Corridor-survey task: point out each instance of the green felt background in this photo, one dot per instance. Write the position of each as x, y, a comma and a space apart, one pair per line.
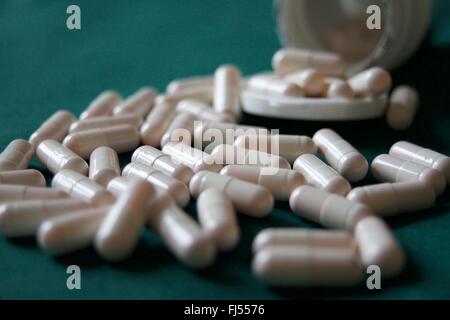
124, 45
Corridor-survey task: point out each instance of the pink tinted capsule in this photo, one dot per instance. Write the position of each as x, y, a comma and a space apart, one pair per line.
139, 103
121, 139
227, 90
199, 93
27, 177
336, 88
55, 128
104, 165
270, 84
105, 122
180, 85
193, 158
311, 81
156, 123
180, 129
16, 156
102, 105
402, 108
203, 111
371, 82
12, 192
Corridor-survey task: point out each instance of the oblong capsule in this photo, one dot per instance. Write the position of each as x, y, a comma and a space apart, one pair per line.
121, 138
70, 232
378, 246
402, 108
178, 190
329, 210
289, 266
81, 187
203, 111
26, 177
23, 218
56, 157
11, 192
156, 123
320, 175
105, 122
373, 81
289, 60
386, 168
227, 154
55, 128
200, 93
341, 155
281, 183
270, 84
16, 156
182, 235
139, 103
120, 230
180, 129
389, 199
289, 147
251, 199
155, 158
426, 157
102, 105
193, 158
297, 237
227, 90
104, 165
180, 85
311, 81
336, 88
218, 218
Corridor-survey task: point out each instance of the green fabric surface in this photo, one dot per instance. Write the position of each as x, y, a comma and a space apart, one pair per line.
124, 45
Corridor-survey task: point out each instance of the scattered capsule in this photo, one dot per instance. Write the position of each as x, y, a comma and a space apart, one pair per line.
341, 155
203, 111
81, 187
102, 105
387, 168
140, 103
180, 129
10, 192
193, 158
26, 177
181, 85
311, 81
251, 199
336, 88
270, 84
280, 184
373, 81
156, 123
218, 218
55, 128
56, 157
402, 108
330, 210
320, 175
121, 138
104, 165
378, 246
227, 90
200, 93
16, 156
389, 199
105, 122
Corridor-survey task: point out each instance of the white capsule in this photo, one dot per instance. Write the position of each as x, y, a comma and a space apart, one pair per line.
426, 157
70, 232
199, 93
22, 218
55, 128
180, 129
180, 85
389, 199
155, 158
387, 168
203, 111
10, 192
378, 246
156, 123
251, 199
139, 103
193, 158
270, 84
27, 177
227, 90
56, 157
336, 88
341, 155
289, 266
183, 236
104, 165
81, 187
329, 210
321, 176
105, 122
291, 60
16, 156
311, 81
373, 81
178, 190
119, 232
218, 218
123, 138
102, 105
289, 147
403, 105
280, 183
296, 237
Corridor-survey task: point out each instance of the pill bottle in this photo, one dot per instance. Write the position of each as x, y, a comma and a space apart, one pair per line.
340, 26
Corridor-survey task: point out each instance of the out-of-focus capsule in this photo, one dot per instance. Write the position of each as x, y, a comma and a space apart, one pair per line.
193, 158
403, 105
102, 105
336, 88
156, 123
10, 192
373, 81
105, 122
121, 138
200, 93
329, 210
270, 84
180, 85
341, 155
321, 176
16, 156
227, 90
56, 157
139, 103
104, 165
55, 128
27, 177
203, 111
311, 81
180, 129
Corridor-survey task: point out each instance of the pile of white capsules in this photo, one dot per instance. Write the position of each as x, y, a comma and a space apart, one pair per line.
242, 168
